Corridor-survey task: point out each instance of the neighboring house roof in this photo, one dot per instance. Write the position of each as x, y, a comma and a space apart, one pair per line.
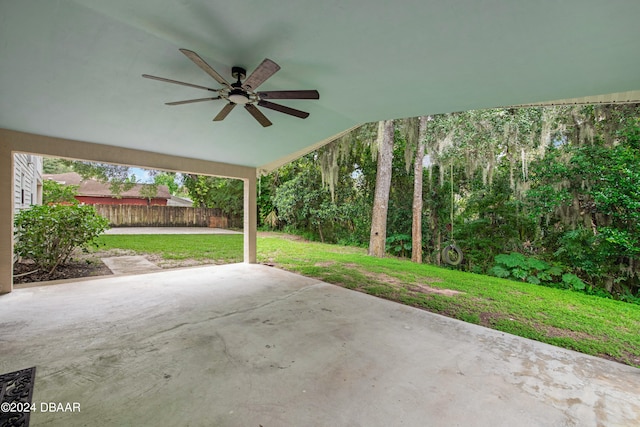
94, 188
179, 201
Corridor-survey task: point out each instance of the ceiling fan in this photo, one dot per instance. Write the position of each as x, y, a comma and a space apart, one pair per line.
244, 92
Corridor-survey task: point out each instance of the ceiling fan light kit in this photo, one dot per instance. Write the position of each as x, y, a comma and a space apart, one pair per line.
243, 93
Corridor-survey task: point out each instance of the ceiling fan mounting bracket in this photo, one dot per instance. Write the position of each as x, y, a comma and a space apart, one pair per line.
238, 73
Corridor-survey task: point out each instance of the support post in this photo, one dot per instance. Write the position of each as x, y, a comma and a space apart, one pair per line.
250, 219
6, 219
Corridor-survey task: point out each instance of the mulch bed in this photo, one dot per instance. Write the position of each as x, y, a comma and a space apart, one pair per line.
72, 270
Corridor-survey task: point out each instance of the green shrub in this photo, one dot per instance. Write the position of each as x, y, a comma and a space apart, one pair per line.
54, 192
399, 245
48, 235
532, 270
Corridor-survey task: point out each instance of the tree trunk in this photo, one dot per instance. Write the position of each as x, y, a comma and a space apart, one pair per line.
438, 243
378, 236
416, 223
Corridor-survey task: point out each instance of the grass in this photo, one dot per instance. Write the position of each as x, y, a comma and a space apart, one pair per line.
572, 320
219, 248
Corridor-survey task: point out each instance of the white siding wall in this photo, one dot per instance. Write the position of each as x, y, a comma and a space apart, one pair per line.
27, 181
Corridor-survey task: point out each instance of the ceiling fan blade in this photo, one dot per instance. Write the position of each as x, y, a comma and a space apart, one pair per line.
162, 79
205, 67
283, 109
189, 101
290, 94
224, 112
257, 114
265, 70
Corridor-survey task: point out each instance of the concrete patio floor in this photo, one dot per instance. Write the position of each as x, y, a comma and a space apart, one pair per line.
250, 345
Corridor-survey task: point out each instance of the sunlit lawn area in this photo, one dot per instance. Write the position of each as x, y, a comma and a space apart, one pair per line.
567, 319
219, 248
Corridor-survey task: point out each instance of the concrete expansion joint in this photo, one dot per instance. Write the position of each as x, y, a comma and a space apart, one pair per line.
233, 313
272, 301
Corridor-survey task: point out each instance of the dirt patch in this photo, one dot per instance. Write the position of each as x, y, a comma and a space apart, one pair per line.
282, 236
90, 265
26, 272
324, 264
630, 359
81, 264
381, 277
488, 319
418, 287
429, 290
553, 332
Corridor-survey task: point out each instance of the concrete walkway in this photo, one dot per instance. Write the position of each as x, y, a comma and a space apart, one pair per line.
130, 264
249, 345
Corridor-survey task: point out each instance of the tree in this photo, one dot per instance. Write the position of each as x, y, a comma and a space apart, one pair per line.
53, 192
418, 173
378, 236
54, 165
118, 176
215, 192
586, 191
169, 179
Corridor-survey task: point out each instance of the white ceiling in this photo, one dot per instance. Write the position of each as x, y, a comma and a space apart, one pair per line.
72, 69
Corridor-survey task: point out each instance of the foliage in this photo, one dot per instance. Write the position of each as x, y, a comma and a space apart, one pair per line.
214, 192
557, 183
588, 193
170, 180
54, 192
492, 222
516, 266
526, 269
305, 205
399, 245
148, 191
53, 165
117, 176
48, 234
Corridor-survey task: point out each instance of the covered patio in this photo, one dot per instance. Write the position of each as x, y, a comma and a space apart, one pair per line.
251, 345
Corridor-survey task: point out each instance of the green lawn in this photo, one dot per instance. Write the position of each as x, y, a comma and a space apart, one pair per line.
567, 319
219, 248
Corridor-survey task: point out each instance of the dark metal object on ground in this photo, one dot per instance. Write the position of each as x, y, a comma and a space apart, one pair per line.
16, 391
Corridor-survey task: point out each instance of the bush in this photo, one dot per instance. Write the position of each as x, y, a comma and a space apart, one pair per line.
54, 192
48, 235
516, 266
399, 245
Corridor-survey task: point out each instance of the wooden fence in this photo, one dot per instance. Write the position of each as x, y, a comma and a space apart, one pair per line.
163, 216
